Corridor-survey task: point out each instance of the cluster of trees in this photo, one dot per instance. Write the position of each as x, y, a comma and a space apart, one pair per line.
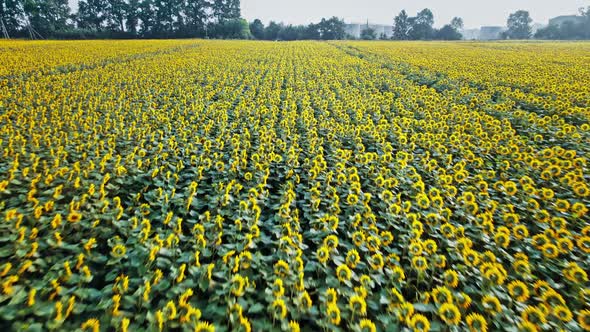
419, 27
519, 27
568, 29
326, 29
222, 19
124, 18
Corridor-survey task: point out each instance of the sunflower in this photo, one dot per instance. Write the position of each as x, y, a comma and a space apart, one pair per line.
358, 238
367, 325
343, 273
419, 263
525, 326
331, 296
118, 251
415, 248
419, 323
281, 269
323, 254
502, 239
430, 246
204, 327
576, 274
451, 278
373, 243
442, 295
331, 241
333, 313
278, 309
464, 300
551, 297
449, 313
550, 250
584, 319
396, 298
277, 288
520, 232
238, 284
440, 261
518, 290
491, 304
405, 311
533, 315
376, 262
476, 323
74, 216
357, 305
294, 326
510, 188
563, 313
565, 245
352, 258
562, 205
584, 244
306, 302
397, 274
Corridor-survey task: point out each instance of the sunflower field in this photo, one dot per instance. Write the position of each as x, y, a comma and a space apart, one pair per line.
202, 185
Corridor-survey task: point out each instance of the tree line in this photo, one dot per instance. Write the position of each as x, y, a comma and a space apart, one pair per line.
222, 19
124, 19
519, 27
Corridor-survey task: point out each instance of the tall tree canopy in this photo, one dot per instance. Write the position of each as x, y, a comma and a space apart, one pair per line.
401, 26
421, 25
519, 25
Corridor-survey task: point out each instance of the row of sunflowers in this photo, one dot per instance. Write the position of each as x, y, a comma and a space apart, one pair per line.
206, 185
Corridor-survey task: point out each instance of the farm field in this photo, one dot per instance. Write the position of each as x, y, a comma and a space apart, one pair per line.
202, 185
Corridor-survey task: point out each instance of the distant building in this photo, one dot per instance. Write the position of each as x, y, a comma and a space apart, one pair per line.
559, 20
491, 32
355, 29
538, 26
470, 34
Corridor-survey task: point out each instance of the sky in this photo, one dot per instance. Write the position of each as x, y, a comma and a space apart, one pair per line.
475, 13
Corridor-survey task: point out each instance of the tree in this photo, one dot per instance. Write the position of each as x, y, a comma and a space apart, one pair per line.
231, 29
519, 25
225, 10
288, 32
132, 16
11, 13
368, 34
115, 13
447, 32
312, 32
457, 23
331, 29
272, 31
401, 26
450, 31
195, 12
421, 25
257, 29
47, 16
146, 18
91, 15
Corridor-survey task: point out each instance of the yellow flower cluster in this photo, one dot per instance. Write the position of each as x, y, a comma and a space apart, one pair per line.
255, 186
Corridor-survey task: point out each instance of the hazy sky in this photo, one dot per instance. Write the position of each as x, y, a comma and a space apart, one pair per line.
475, 13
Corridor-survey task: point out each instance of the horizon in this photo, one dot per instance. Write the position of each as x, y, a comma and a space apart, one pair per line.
475, 14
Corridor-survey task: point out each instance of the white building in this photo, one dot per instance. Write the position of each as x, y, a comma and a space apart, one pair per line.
355, 29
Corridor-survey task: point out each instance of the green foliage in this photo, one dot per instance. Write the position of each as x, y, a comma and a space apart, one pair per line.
401, 26
519, 25
368, 34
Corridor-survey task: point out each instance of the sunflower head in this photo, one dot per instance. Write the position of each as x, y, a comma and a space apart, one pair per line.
449, 313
